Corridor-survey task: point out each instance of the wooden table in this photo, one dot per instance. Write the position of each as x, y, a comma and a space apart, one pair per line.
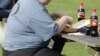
88, 40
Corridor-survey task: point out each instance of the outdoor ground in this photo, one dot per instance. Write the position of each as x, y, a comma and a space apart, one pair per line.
70, 7
0, 51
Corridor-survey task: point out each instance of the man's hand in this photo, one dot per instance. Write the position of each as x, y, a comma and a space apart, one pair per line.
56, 15
62, 23
69, 29
69, 20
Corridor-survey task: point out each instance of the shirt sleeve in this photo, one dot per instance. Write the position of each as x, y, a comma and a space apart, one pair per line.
43, 25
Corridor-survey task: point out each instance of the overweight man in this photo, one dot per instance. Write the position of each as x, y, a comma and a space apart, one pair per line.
30, 28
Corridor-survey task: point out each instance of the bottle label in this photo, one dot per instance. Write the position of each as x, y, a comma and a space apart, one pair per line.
93, 22
81, 15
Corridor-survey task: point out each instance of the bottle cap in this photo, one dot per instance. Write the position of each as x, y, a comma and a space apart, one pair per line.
81, 3
94, 10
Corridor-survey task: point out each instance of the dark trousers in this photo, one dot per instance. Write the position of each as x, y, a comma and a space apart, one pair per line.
32, 52
3, 14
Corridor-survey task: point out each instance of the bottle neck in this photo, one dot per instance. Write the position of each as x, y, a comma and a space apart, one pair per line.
94, 14
81, 6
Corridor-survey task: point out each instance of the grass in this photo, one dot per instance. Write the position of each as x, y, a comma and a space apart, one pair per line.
70, 7
75, 49
0, 51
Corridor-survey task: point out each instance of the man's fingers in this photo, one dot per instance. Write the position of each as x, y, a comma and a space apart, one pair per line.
69, 19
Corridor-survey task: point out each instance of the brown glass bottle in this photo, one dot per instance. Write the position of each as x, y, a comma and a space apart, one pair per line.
94, 24
81, 12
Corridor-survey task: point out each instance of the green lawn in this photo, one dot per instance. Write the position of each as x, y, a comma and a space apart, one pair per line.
75, 49
0, 51
70, 7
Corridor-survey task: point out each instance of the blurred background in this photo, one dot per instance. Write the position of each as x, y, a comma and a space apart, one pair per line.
70, 7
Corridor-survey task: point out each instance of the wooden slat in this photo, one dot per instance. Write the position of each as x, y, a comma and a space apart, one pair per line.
90, 41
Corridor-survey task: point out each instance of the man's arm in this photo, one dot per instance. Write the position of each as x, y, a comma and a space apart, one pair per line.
62, 23
56, 15
64, 20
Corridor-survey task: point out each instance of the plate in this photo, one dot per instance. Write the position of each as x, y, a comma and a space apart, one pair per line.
81, 24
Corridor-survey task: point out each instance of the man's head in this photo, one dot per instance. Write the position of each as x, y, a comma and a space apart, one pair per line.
44, 2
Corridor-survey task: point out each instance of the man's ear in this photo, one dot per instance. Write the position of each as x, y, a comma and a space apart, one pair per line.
44, 2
